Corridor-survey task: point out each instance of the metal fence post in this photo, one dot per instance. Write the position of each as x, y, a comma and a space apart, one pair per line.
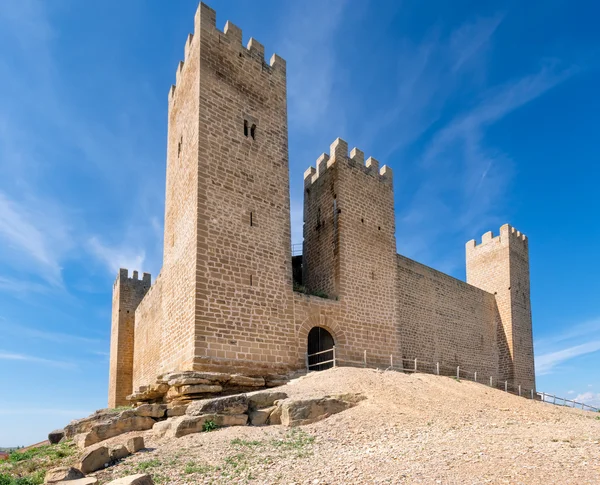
365, 361
519, 390
415, 365
554, 401
437, 368
334, 363
532, 394
307, 367
458, 371
505, 386
491, 382
391, 361
475, 376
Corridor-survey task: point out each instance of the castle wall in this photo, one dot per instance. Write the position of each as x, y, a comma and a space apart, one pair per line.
127, 294
149, 338
442, 319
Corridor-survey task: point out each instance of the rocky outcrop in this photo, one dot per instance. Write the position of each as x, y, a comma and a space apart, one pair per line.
135, 444
55, 436
118, 452
62, 473
297, 412
236, 404
187, 386
122, 423
152, 410
141, 479
94, 459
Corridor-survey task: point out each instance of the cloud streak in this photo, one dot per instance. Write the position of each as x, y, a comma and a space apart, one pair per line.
38, 360
545, 363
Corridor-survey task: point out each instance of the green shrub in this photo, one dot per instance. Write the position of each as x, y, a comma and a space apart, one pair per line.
209, 425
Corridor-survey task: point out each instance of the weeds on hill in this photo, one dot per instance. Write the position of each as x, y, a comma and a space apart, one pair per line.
209, 425
29, 467
145, 465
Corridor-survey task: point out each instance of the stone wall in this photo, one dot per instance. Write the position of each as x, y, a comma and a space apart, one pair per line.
127, 294
500, 265
442, 319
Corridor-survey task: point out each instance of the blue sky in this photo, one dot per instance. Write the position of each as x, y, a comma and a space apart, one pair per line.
487, 112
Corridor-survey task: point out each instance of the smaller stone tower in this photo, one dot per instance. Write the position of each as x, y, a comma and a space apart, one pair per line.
500, 265
127, 295
350, 246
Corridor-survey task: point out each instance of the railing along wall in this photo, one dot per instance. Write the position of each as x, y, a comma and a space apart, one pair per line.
438, 368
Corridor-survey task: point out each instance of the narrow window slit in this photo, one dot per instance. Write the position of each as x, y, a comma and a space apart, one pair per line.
253, 132
246, 128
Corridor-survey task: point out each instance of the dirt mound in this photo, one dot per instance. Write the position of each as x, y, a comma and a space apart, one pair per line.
411, 429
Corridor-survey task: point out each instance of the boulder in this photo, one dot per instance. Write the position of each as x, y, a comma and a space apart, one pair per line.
85, 424
80, 481
260, 417
140, 479
236, 404
275, 380
151, 410
177, 411
105, 430
55, 436
183, 426
275, 416
94, 459
62, 473
161, 428
118, 452
228, 419
264, 399
244, 381
135, 444
296, 412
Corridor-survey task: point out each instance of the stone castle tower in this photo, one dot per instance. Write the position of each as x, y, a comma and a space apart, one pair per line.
224, 300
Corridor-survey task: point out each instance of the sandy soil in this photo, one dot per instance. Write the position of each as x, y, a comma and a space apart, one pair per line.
411, 429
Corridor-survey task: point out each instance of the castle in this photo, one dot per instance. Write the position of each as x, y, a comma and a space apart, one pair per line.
225, 298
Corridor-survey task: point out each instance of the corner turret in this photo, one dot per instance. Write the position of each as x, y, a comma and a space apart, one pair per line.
500, 265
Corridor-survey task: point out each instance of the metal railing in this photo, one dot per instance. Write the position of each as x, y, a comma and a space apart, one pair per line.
437, 368
297, 249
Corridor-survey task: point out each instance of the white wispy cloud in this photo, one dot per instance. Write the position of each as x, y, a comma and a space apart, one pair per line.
11, 356
56, 337
115, 257
590, 398
545, 363
35, 232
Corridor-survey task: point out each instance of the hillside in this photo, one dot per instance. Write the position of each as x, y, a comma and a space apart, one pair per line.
413, 429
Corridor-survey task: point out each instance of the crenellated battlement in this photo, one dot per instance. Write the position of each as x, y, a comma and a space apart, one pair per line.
123, 277
206, 19
508, 235
338, 151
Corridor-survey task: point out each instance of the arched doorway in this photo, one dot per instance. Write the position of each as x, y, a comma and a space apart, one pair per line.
320, 342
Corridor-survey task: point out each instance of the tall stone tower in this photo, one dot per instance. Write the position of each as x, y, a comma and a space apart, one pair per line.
350, 246
127, 295
500, 265
227, 251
